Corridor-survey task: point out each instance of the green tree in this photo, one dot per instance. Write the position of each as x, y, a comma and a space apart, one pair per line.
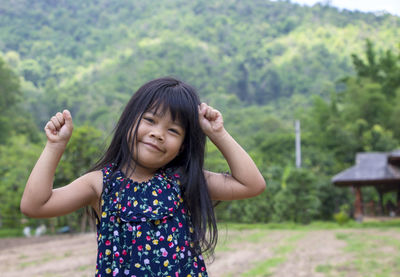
83, 150
394, 117
32, 71
383, 69
10, 95
298, 200
21, 155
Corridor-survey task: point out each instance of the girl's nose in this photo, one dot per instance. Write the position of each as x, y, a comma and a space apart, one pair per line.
157, 134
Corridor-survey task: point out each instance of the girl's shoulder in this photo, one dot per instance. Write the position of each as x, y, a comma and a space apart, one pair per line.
94, 179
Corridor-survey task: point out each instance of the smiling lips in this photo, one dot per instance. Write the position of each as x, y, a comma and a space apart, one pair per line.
153, 146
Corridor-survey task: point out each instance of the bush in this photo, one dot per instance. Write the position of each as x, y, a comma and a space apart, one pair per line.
342, 217
297, 201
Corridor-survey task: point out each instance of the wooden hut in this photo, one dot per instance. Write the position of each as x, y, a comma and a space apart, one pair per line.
378, 169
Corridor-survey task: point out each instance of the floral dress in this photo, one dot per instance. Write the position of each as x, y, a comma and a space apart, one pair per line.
144, 228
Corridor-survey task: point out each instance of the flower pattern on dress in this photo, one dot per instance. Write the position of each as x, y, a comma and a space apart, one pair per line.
144, 228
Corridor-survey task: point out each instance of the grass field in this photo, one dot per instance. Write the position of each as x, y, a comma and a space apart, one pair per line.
284, 250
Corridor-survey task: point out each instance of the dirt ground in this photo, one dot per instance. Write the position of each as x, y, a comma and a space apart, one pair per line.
237, 253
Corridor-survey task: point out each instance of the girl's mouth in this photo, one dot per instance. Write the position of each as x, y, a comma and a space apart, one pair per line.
153, 146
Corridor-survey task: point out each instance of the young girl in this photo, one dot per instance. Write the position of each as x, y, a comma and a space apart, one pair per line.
151, 195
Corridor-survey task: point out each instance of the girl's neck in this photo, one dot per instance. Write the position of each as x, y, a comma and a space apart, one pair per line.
138, 173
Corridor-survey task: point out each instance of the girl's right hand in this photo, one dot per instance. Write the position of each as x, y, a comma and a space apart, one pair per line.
59, 128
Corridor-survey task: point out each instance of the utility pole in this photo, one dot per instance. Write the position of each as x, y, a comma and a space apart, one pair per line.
298, 146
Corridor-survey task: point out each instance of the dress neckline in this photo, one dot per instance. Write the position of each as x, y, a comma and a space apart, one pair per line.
131, 181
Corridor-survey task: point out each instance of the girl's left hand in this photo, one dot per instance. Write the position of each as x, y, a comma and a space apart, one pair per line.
211, 120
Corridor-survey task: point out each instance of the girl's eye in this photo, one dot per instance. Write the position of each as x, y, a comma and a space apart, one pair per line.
175, 131
148, 119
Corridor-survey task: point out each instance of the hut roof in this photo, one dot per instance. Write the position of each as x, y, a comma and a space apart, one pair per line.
395, 153
372, 169
394, 157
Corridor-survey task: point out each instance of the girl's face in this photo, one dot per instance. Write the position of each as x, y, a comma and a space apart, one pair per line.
159, 140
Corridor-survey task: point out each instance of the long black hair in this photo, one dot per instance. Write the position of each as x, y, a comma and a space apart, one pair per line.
182, 101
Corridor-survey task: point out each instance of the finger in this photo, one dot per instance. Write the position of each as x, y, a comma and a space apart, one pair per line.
207, 113
213, 113
60, 118
210, 113
68, 118
55, 122
50, 128
203, 108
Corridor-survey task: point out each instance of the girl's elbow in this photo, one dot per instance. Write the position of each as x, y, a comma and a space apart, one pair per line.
27, 210
260, 188
24, 208
263, 186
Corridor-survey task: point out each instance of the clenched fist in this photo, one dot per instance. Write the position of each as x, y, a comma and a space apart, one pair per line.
59, 128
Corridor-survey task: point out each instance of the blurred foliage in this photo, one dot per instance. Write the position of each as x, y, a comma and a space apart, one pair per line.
342, 217
83, 150
18, 157
298, 201
10, 93
261, 63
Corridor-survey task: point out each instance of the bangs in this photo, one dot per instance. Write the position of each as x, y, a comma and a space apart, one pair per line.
178, 101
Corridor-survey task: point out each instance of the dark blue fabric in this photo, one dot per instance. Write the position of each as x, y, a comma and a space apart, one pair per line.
144, 228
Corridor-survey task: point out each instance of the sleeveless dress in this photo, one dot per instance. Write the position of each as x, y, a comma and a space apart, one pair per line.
144, 229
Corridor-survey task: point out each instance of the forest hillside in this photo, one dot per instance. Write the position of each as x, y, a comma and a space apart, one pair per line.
262, 63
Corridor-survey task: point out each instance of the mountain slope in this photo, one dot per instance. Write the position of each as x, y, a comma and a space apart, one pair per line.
91, 56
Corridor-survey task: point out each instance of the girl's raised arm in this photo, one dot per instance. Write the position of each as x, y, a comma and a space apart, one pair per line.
245, 180
39, 198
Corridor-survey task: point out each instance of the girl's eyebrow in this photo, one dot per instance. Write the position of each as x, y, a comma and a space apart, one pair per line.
175, 122
152, 111
179, 124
